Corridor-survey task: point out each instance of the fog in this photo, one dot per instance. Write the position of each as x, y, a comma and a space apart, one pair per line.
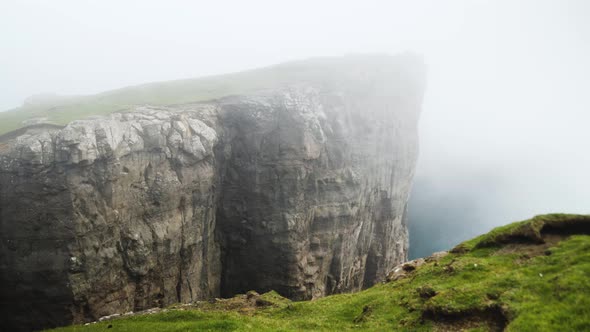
504, 129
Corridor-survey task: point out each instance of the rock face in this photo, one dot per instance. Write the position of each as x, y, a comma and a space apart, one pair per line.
300, 189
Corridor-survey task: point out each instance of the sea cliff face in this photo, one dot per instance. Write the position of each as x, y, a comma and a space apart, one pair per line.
301, 189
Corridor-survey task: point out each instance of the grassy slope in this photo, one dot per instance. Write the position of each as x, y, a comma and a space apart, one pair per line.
328, 70
64, 110
505, 279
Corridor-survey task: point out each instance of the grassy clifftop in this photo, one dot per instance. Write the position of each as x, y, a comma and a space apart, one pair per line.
318, 71
532, 275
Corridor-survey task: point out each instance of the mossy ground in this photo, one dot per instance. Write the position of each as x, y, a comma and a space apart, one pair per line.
482, 287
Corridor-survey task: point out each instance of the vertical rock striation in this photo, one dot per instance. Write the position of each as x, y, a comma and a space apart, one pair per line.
109, 215
301, 188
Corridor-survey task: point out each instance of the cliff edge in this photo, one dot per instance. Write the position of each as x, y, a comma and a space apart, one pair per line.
299, 188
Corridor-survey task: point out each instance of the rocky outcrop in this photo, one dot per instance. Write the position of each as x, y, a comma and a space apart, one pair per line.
109, 215
300, 189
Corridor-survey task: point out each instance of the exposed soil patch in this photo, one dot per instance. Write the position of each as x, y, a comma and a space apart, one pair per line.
540, 230
551, 234
526, 233
530, 250
492, 319
579, 225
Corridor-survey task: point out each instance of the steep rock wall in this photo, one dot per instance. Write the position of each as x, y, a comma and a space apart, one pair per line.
109, 215
315, 191
301, 189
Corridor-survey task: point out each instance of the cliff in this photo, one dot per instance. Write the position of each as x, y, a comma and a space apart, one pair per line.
300, 188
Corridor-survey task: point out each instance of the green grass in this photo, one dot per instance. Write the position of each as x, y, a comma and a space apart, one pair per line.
332, 71
65, 110
527, 230
485, 287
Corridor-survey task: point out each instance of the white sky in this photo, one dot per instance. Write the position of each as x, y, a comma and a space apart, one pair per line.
508, 85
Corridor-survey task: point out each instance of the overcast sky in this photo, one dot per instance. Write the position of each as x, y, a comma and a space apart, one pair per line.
508, 86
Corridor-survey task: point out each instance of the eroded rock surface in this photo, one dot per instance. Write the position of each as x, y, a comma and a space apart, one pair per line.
300, 189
